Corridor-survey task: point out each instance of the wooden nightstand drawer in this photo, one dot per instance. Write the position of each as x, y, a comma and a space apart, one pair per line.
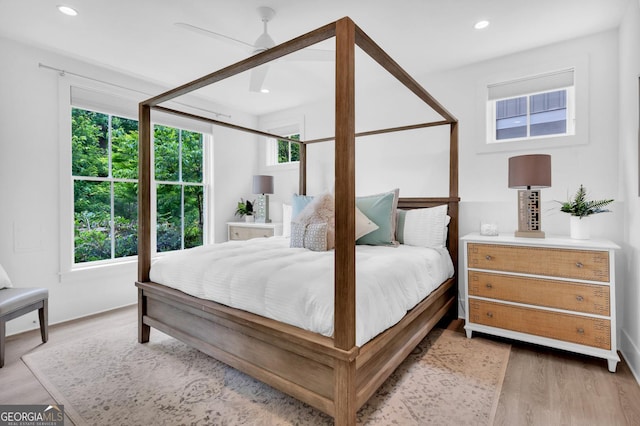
557, 262
246, 233
588, 298
588, 331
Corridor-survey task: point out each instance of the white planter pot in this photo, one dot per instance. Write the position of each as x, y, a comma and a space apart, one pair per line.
579, 228
249, 218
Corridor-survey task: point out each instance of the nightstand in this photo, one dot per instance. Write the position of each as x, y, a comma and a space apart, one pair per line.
557, 292
248, 230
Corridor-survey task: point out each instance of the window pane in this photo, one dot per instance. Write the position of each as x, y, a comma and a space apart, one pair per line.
191, 157
124, 147
89, 143
511, 118
283, 151
169, 229
92, 214
549, 113
166, 143
126, 218
295, 148
193, 216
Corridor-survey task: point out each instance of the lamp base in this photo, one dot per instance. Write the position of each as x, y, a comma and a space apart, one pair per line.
530, 234
529, 214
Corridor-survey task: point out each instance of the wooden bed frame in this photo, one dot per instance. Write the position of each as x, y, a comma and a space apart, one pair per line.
331, 374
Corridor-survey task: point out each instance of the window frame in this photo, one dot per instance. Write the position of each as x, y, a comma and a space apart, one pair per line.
121, 102
268, 150
492, 120
484, 115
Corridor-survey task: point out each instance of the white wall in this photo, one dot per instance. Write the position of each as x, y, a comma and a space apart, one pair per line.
629, 93
29, 188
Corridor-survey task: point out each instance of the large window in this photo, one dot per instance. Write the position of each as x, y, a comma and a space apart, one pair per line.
105, 183
105, 173
534, 107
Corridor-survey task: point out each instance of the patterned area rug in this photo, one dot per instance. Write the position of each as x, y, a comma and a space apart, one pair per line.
113, 380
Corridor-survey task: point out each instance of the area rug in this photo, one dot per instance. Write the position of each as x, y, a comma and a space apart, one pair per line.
111, 379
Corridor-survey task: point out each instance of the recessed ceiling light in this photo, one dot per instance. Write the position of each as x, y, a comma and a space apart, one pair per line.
481, 25
264, 90
67, 10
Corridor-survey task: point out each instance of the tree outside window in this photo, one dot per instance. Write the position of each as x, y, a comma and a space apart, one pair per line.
105, 182
288, 152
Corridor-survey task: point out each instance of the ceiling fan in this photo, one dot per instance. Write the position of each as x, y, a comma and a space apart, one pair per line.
262, 43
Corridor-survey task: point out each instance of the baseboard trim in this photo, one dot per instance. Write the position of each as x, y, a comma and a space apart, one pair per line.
631, 354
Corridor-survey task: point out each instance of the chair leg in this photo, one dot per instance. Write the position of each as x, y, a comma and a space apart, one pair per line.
3, 330
43, 315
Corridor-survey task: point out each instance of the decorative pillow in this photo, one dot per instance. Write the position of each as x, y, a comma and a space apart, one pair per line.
382, 210
423, 227
5, 282
320, 210
286, 220
298, 203
364, 225
312, 236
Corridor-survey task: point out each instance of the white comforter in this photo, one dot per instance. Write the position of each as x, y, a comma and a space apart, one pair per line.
295, 285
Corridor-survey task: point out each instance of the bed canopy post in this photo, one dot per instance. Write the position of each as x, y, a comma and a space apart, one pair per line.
144, 213
453, 190
302, 171
344, 256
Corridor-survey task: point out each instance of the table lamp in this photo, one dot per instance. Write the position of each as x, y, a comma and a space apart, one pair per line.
262, 185
529, 173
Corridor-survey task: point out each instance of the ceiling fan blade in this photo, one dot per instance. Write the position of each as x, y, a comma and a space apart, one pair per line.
311, 55
257, 78
213, 34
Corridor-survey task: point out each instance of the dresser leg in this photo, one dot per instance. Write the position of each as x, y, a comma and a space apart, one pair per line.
469, 332
612, 364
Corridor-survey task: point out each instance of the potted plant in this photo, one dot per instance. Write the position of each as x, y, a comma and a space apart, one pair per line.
245, 209
579, 207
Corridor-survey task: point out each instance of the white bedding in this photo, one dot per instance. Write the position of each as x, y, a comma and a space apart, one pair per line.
295, 285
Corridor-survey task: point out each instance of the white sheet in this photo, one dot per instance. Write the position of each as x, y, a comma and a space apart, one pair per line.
295, 285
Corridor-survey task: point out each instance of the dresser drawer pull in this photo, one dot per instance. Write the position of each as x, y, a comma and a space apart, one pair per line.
580, 330
579, 264
236, 234
489, 285
490, 314
488, 257
579, 298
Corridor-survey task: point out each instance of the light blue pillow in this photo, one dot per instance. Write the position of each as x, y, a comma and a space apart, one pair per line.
382, 210
298, 203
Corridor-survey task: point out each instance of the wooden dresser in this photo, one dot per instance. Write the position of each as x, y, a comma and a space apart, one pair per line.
248, 230
556, 292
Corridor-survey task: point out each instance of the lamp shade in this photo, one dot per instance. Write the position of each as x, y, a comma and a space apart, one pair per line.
263, 184
530, 171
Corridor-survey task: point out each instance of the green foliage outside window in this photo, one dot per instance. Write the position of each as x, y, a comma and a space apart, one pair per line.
288, 152
105, 173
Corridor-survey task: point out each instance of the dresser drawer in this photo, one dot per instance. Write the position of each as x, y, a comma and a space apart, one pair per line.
246, 233
588, 298
570, 328
555, 262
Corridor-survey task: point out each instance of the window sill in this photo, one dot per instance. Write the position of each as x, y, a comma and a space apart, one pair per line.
88, 272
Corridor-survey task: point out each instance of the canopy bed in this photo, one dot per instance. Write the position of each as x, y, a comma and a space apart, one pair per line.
331, 373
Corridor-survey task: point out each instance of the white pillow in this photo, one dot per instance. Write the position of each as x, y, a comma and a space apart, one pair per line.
364, 225
425, 227
286, 220
5, 282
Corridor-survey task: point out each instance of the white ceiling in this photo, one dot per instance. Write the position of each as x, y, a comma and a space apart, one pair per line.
139, 36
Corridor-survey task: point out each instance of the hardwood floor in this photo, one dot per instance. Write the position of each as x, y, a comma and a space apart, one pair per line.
541, 386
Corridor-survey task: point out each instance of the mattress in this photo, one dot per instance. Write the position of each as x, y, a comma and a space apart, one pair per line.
294, 285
